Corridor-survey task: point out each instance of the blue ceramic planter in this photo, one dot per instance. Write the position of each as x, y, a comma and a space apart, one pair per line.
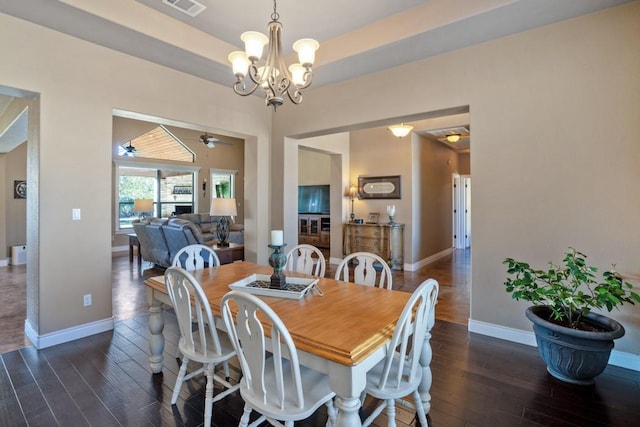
572, 355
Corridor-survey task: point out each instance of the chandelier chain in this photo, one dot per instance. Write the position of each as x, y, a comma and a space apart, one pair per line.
275, 15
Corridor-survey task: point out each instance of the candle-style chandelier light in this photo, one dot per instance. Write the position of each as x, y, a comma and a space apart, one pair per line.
273, 76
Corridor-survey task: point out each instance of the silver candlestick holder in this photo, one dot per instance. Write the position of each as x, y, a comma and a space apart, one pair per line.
277, 260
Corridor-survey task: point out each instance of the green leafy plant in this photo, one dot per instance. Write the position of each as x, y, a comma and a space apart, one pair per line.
570, 290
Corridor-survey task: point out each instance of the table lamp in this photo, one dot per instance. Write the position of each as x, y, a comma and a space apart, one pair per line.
352, 193
142, 206
223, 208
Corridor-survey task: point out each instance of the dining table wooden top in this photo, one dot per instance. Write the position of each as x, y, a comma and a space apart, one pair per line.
345, 325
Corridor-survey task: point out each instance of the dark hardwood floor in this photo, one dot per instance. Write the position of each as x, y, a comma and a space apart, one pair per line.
105, 379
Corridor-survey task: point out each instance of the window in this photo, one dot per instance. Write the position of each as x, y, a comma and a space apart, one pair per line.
223, 183
170, 188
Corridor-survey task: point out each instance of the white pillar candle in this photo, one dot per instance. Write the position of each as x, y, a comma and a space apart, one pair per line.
277, 237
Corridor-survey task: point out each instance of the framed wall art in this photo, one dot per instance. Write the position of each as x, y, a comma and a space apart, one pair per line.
379, 187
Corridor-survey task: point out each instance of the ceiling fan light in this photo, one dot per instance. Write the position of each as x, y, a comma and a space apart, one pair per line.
128, 150
400, 130
453, 138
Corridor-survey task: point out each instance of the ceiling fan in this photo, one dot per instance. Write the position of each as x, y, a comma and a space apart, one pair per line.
211, 141
129, 151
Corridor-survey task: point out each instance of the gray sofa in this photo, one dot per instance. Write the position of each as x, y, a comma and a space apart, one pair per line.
161, 238
207, 225
153, 245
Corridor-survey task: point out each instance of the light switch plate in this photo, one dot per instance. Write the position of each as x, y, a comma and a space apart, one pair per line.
75, 214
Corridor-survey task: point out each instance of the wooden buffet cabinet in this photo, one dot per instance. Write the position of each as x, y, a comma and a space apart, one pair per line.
386, 240
314, 230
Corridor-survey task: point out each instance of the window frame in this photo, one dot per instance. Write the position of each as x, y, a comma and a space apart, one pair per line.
121, 163
232, 173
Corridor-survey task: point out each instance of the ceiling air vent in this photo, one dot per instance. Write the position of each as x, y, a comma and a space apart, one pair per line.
190, 7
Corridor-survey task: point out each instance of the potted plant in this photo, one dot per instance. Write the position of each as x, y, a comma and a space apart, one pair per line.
574, 342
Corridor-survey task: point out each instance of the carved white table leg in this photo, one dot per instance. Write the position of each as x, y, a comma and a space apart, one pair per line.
348, 383
156, 326
348, 415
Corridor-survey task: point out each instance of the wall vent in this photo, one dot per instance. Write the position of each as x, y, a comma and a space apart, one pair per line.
190, 7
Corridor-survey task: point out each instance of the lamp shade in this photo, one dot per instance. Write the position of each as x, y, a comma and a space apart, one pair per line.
223, 207
352, 192
306, 49
254, 43
143, 205
239, 62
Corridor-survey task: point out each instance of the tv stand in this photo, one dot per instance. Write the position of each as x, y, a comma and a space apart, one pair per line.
314, 229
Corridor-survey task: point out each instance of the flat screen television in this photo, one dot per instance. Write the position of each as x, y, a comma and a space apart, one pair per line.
313, 199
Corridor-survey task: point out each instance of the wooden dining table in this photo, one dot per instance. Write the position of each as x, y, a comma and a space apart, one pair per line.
340, 333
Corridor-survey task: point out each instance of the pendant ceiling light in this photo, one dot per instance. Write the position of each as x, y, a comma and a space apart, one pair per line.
453, 138
400, 130
273, 76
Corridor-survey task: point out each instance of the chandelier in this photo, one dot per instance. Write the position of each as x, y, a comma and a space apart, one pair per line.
273, 76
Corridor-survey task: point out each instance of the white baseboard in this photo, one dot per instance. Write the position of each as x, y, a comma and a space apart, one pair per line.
426, 261
119, 248
4, 262
66, 335
617, 358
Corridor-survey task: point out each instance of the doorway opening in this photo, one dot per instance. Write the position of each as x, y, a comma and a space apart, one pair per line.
461, 187
19, 139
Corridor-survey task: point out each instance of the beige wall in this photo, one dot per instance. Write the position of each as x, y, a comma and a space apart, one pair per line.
436, 166
376, 152
464, 163
314, 168
426, 168
554, 113
72, 159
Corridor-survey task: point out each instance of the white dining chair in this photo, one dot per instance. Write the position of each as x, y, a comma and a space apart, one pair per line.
306, 259
273, 382
399, 374
202, 344
364, 273
196, 256
193, 257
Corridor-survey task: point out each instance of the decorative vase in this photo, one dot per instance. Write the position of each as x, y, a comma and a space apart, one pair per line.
391, 212
277, 260
573, 355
